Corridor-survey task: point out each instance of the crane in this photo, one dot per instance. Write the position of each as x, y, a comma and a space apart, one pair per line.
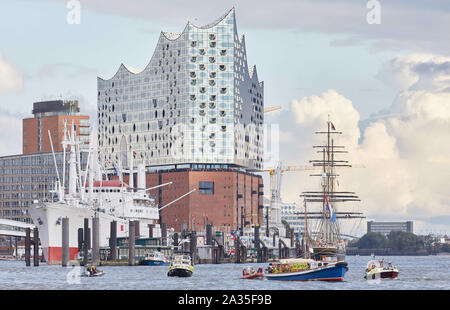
270, 109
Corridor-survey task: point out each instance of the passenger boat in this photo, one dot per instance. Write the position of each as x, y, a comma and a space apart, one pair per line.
155, 259
306, 270
379, 269
249, 273
181, 266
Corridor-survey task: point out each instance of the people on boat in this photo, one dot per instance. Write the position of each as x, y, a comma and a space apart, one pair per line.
244, 272
92, 270
252, 270
260, 270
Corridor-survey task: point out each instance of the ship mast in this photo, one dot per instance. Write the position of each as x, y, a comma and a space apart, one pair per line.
329, 196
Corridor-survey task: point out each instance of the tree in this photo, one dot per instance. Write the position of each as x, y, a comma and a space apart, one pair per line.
372, 240
405, 242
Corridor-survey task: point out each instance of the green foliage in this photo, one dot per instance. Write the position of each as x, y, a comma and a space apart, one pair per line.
405, 242
372, 241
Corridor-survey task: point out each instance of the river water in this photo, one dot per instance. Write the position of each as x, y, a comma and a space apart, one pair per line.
416, 273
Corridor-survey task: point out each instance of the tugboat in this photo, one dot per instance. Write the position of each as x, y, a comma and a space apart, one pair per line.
324, 251
379, 269
155, 259
181, 266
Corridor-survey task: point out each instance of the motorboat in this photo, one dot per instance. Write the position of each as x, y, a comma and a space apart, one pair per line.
250, 273
379, 269
155, 259
92, 272
181, 266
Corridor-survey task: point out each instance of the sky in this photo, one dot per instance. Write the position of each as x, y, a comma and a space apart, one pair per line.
385, 85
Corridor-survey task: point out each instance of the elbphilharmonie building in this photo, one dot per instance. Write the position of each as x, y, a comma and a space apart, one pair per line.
196, 102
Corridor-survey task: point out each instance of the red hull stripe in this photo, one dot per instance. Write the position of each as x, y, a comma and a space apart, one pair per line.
55, 254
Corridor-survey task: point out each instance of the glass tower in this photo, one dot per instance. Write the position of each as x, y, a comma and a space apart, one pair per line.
197, 101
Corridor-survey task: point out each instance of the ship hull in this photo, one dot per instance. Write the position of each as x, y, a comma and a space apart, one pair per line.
47, 218
335, 272
180, 272
148, 262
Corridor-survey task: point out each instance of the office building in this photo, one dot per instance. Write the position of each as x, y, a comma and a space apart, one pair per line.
386, 227
51, 116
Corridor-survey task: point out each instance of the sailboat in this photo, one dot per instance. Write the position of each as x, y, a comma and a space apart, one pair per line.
324, 252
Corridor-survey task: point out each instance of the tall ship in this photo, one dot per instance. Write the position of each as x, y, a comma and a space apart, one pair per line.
324, 248
91, 195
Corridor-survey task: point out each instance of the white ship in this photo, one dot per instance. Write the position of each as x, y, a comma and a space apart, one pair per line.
109, 200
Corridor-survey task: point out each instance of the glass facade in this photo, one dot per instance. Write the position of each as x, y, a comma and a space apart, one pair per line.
197, 101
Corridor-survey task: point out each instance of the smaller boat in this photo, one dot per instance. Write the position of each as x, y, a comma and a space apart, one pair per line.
92, 271
250, 273
155, 259
379, 269
181, 266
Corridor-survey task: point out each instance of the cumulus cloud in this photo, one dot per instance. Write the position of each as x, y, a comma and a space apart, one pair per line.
417, 72
10, 78
10, 124
406, 154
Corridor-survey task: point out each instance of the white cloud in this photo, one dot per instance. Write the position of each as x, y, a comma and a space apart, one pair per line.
406, 154
10, 78
11, 133
10, 124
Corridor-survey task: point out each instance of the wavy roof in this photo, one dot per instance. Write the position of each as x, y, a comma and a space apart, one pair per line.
171, 36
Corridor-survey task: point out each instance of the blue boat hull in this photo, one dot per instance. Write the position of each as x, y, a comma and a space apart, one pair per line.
327, 273
147, 262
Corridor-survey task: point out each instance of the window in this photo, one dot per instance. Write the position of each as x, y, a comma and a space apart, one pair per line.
206, 188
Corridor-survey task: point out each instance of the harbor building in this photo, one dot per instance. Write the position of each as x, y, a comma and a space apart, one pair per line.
51, 115
290, 214
227, 198
386, 227
194, 115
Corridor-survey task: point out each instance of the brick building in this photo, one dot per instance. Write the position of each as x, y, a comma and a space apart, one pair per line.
228, 198
51, 115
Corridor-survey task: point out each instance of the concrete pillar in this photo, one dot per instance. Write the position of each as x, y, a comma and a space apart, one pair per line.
96, 240
86, 242
80, 240
27, 246
65, 242
113, 240
131, 242
163, 234
175, 239
137, 228
208, 234
193, 247
257, 245
36, 247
